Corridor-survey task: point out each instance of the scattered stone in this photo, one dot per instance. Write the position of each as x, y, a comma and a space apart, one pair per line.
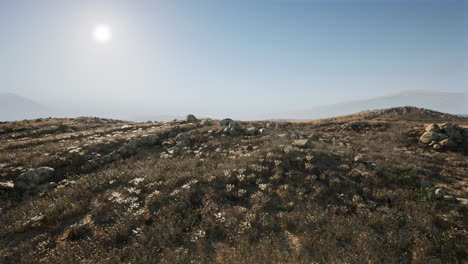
303, 143
31, 179
6, 185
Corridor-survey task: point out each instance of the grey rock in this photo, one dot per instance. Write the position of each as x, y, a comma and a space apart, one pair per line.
251, 131
191, 119
46, 186
149, 140
30, 179
182, 137
225, 122
129, 148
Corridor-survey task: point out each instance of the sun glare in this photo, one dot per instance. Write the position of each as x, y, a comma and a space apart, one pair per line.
102, 34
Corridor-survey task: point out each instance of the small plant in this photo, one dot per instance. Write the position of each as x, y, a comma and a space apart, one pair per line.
426, 194
406, 178
62, 127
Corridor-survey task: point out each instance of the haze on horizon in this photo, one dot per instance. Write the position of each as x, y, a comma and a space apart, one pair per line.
244, 59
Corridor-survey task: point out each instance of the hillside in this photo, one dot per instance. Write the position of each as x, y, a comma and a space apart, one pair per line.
380, 186
15, 107
453, 103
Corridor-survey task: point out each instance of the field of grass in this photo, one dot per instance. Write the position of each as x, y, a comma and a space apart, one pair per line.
366, 195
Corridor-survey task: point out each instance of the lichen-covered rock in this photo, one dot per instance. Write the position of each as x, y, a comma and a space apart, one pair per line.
31, 179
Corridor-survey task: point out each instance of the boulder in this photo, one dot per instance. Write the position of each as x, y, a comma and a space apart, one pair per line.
234, 125
225, 122
444, 136
129, 148
149, 139
430, 136
182, 140
191, 118
31, 179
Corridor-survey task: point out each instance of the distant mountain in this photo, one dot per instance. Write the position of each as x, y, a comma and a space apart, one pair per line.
453, 103
14, 107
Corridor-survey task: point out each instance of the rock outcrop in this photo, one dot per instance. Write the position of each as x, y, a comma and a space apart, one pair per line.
445, 136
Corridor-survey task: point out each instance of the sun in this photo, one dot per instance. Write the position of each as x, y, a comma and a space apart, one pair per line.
102, 34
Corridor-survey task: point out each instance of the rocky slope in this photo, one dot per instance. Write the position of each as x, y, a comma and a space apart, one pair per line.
346, 190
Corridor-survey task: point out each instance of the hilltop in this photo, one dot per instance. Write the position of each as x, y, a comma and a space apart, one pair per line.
382, 186
453, 103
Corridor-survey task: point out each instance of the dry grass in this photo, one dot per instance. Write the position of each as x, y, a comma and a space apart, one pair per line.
354, 197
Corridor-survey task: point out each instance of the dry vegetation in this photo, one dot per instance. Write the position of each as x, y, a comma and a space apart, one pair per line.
307, 192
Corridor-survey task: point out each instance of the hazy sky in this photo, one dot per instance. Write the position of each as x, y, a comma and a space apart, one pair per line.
238, 58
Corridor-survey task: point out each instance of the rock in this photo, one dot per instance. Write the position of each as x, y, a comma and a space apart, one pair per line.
129, 148
7, 185
430, 136
441, 192
251, 131
432, 128
206, 122
46, 186
149, 140
264, 131
270, 125
225, 122
234, 125
182, 137
191, 119
448, 143
303, 143
437, 146
182, 140
444, 136
30, 179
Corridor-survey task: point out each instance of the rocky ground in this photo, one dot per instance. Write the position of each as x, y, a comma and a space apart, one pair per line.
384, 186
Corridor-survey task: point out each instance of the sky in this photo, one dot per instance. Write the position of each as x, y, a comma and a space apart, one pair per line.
244, 58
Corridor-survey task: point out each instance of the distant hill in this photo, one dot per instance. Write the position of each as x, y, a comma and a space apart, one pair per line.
403, 113
15, 107
453, 103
